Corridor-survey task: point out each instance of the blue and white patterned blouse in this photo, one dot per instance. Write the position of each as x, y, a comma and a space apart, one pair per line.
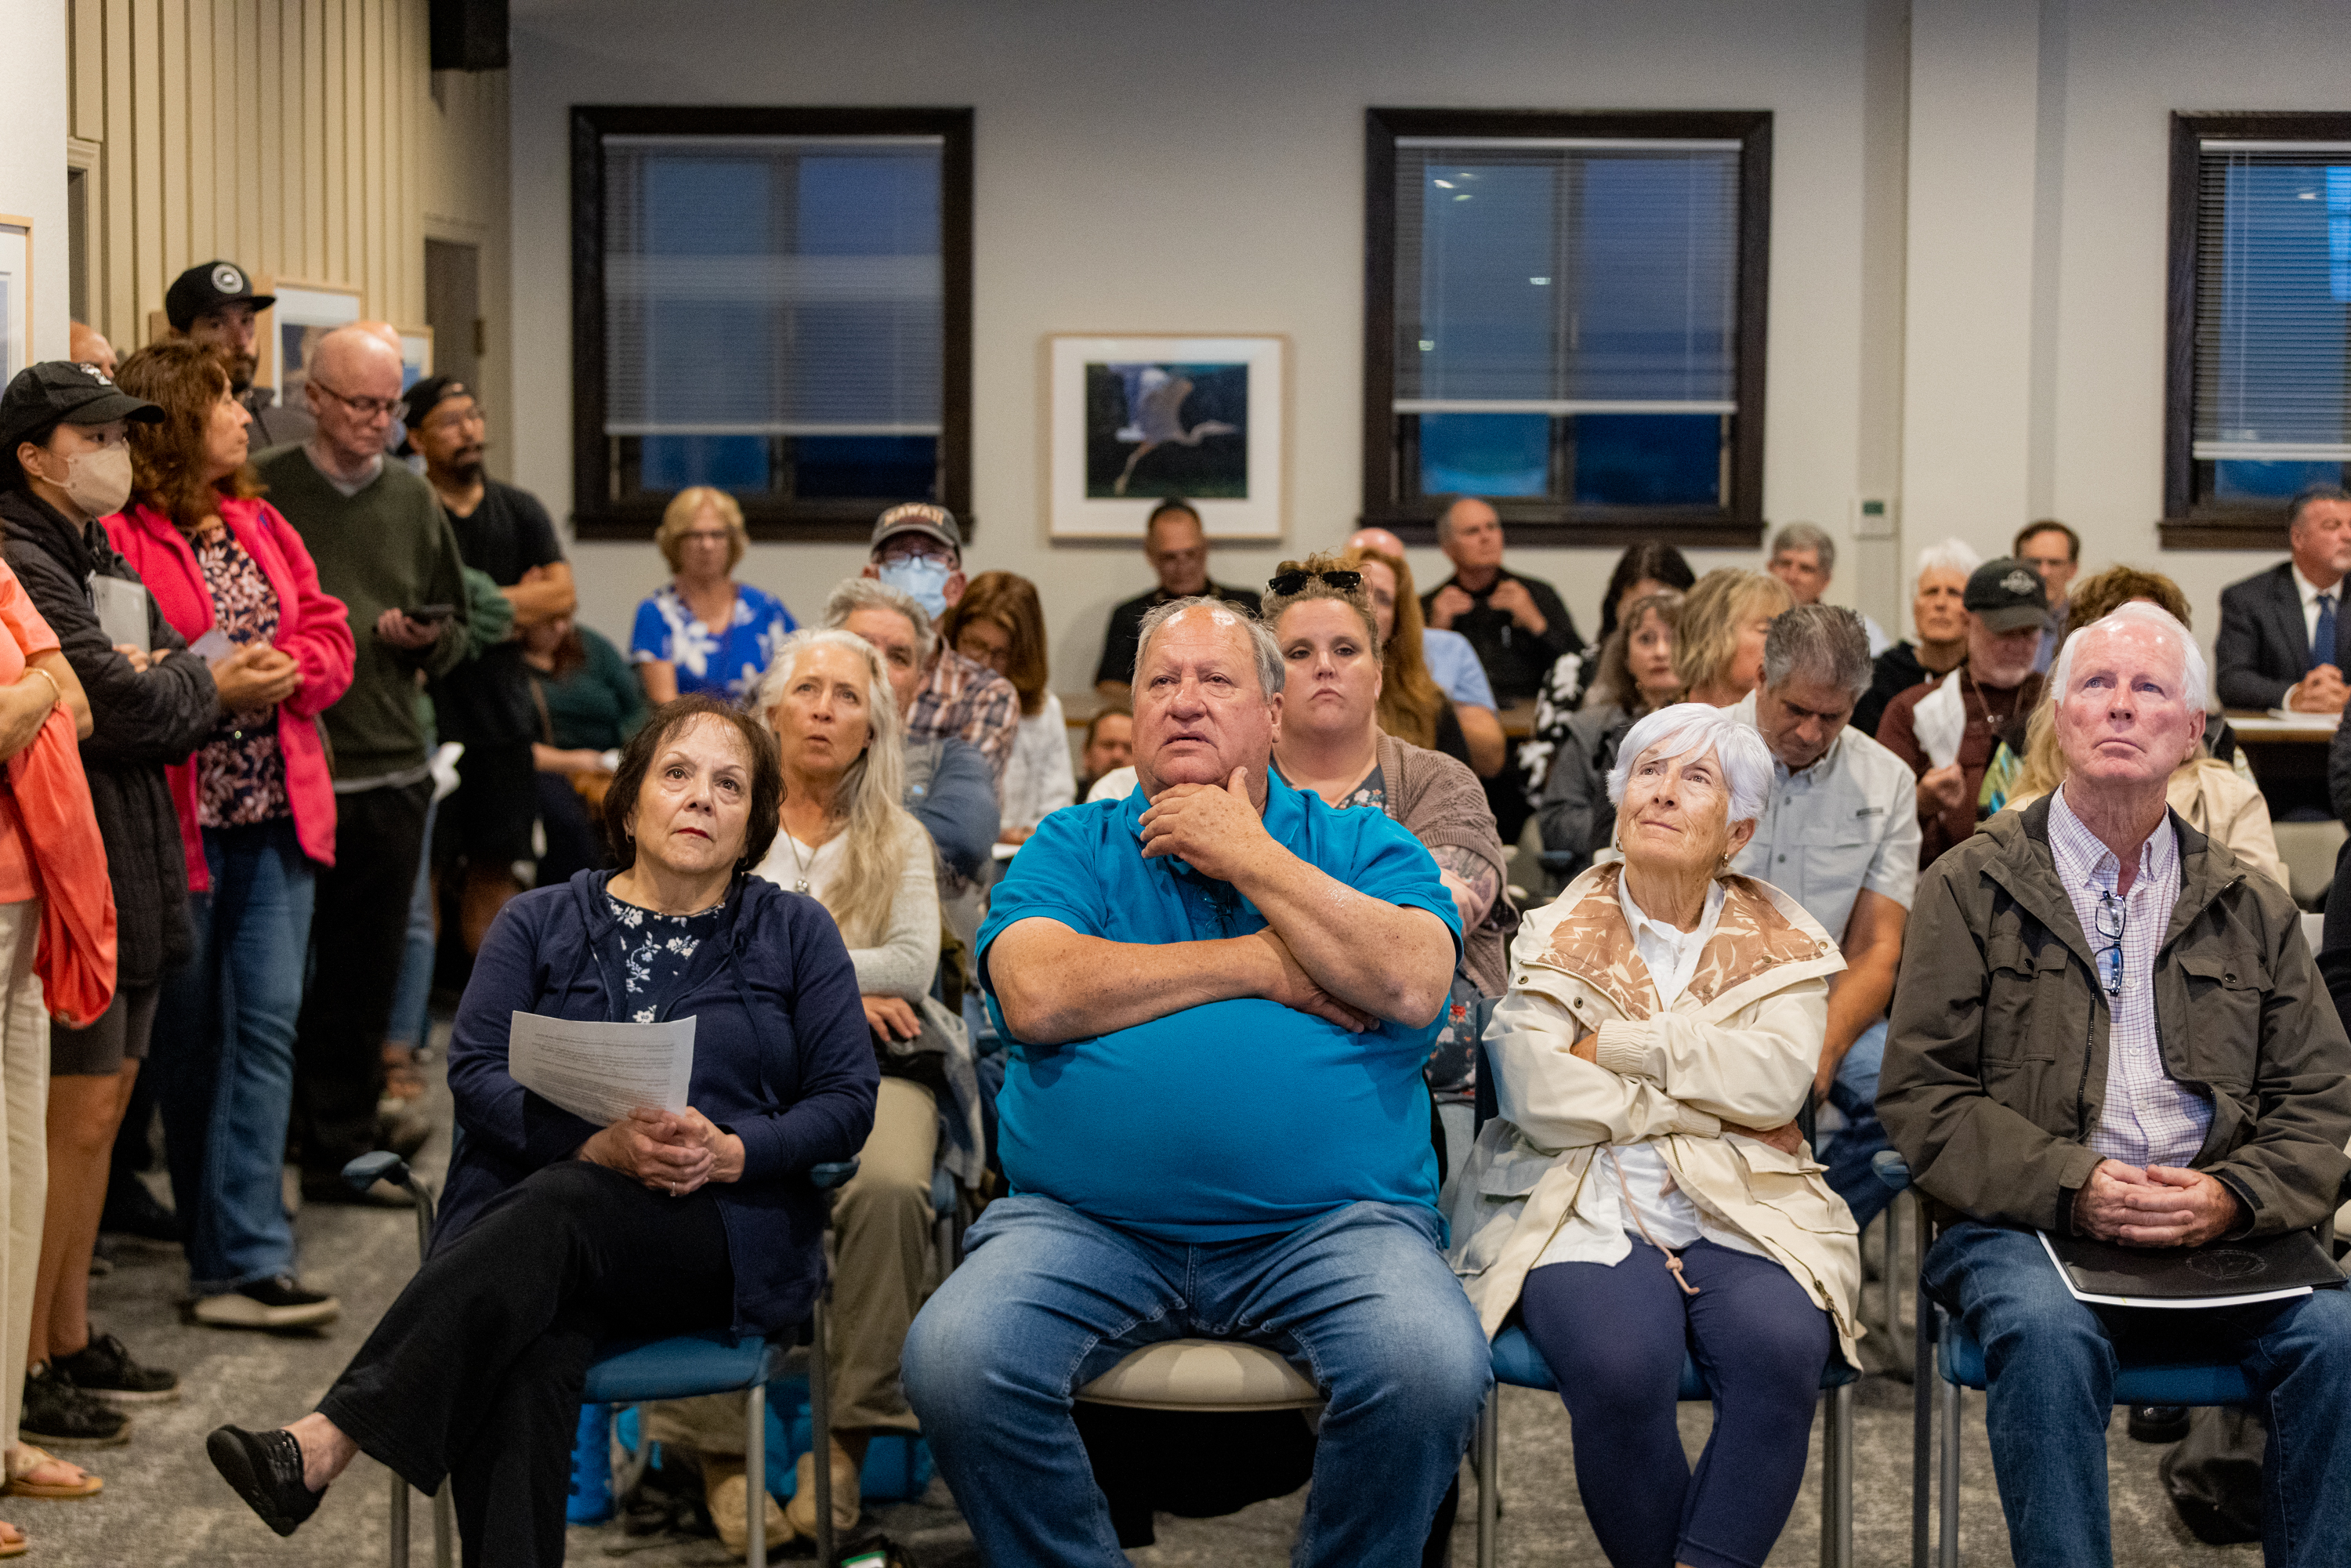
728, 666
659, 947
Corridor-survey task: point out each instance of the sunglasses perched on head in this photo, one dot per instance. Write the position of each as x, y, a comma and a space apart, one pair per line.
1289, 582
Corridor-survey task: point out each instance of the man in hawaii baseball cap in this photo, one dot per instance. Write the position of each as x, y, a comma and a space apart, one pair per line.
214, 303
55, 393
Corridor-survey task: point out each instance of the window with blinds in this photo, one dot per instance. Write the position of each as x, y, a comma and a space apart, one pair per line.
776, 312
2258, 394
1566, 327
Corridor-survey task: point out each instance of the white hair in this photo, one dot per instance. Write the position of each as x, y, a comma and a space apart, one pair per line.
1689, 726
1951, 555
2195, 681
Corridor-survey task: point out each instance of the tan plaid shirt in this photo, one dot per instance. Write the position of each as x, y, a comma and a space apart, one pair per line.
966, 699
2148, 1118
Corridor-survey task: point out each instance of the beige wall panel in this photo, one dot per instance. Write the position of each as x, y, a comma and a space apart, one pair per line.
269, 97
336, 178
87, 28
149, 94
203, 151
116, 292
312, 186
172, 167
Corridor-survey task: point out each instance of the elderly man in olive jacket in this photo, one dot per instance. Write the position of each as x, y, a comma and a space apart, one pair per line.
2105, 1025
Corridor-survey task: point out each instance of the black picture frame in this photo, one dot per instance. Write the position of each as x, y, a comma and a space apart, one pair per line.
2187, 523
1553, 522
597, 512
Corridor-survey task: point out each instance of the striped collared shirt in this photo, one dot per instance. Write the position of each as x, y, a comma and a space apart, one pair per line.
2149, 1117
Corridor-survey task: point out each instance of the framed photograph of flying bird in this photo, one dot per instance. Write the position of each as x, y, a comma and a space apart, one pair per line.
1131, 420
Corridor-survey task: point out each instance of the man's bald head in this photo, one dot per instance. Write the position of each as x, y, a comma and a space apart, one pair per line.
384, 331
1378, 539
353, 388
87, 346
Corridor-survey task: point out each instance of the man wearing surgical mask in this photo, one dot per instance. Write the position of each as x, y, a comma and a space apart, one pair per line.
918, 550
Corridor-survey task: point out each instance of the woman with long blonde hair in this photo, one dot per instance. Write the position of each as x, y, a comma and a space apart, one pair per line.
1718, 647
1412, 706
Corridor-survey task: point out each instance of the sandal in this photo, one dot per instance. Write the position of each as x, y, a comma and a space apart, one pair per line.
401, 1079
24, 1460
17, 1548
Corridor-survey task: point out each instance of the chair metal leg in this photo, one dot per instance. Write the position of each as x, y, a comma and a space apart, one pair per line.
820, 1424
1836, 1482
1946, 1550
445, 1528
640, 1457
1489, 1480
1923, 1379
398, 1524
755, 1472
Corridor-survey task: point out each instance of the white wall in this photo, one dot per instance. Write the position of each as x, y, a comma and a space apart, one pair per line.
35, 78
1197, 167
1968, 222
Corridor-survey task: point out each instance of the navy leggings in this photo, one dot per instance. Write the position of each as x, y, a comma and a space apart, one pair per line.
1614, 1337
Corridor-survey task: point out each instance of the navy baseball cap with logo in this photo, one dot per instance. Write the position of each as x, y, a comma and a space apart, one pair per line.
58, 391
209, 287
918, 517
2007, 593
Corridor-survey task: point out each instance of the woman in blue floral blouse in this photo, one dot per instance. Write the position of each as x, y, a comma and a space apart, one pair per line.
702, 631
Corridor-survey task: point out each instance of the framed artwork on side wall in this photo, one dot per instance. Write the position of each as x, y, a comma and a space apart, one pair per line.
1131, 420
304, 313
15, 295
415, 355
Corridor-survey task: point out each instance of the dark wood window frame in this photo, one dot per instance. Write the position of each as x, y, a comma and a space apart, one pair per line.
1553, 522
595, 513
2187, 525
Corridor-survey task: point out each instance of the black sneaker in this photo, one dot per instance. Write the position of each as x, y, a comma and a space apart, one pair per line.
59, 1415
131, 1210
2159, 1423
103, 1369
265, 1469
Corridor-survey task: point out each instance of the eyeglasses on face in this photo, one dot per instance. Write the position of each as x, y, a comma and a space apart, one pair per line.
365, 407
1289, 582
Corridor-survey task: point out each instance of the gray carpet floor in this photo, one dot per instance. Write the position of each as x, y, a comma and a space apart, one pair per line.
165, 1507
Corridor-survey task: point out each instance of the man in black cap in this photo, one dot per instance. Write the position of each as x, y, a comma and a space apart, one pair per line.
1963, 735
214, 304
918, 550
485, 703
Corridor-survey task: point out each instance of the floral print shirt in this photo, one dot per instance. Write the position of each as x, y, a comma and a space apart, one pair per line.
658, 948
727, 663
240, 777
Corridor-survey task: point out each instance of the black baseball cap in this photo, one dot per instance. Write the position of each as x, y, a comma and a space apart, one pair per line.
2007, 594
918, 517
429, 394
60, 392
209, 287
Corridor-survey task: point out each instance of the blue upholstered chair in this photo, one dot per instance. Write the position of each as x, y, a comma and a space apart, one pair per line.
684, 1367
1518, 1364
1959, 1363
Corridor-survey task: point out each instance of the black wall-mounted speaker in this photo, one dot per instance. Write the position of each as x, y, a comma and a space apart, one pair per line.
469, 35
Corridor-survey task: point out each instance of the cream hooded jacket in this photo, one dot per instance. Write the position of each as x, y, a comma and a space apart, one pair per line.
1740, 1045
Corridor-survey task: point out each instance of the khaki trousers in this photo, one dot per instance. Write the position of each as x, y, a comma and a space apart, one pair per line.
882, 1275
24, 1121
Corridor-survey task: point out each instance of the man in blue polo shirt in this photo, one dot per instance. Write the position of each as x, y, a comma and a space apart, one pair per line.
1218, 994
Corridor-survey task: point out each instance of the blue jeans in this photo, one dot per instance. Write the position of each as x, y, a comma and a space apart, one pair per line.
1850, 1149
1047, 1300
229, 1073
2050, 1361
412, 996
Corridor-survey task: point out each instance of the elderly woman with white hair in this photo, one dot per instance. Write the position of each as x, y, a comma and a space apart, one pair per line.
1643, 1189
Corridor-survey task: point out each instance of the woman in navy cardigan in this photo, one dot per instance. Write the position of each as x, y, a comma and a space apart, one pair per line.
556, 1235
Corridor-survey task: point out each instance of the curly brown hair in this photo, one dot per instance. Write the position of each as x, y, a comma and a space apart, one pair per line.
168, 459
2098, 596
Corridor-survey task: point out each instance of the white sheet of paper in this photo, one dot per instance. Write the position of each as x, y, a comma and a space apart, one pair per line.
121, 611
602, 1071
212, 645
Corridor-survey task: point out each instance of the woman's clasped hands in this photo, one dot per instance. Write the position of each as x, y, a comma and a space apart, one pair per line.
674, 1152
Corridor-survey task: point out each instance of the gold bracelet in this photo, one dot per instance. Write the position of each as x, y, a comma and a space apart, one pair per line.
57, 694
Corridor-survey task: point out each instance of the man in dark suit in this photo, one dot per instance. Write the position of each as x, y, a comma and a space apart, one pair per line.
2284, 640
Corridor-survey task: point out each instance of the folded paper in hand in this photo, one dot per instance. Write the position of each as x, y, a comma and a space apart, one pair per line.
602, 1071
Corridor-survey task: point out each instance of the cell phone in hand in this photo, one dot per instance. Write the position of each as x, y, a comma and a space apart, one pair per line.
430, 614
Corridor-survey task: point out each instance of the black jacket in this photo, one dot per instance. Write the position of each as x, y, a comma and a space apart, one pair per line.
2264, 646
142, 723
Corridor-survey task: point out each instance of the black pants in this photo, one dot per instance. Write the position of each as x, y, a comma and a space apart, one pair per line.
358, 933
476, 1372
574, 842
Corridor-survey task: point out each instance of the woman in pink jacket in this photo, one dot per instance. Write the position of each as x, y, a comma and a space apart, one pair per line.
257, 810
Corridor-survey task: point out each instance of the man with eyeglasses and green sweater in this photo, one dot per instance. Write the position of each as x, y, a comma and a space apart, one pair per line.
384, 547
